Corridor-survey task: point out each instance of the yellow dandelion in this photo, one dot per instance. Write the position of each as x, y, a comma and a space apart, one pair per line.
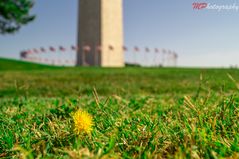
83, 122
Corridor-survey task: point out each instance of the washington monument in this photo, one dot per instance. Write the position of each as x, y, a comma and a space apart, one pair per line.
100, 33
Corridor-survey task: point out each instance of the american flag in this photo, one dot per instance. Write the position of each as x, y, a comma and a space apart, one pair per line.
23, 54
52, 49
98, 48
156, 50
111, 47
35, 51
42, 49
125, 48
147, 49
136, 49
73, 47
61, 48
29, 51
86, 48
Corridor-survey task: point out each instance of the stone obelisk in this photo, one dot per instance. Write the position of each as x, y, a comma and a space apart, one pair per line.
100, 33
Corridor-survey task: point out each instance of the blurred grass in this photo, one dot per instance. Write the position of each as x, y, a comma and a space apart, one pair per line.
54, 82
138, 112
11, 64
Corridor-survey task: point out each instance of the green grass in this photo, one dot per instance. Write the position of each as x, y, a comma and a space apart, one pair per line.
138, 112
9, 64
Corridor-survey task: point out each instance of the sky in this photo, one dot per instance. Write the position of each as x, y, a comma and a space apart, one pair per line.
202, 38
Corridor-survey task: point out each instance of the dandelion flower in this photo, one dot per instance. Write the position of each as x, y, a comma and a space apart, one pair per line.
83, 122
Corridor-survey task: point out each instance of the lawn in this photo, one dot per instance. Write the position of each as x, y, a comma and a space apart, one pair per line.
137, 112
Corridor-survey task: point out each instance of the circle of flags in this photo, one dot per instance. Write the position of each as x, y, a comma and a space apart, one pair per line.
160, 56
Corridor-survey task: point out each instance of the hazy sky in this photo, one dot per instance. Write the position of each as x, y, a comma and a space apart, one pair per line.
201, 37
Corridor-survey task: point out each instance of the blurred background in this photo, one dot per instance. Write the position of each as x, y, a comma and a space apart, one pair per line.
201, 38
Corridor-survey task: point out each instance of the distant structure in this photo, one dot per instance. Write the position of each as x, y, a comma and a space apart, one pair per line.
100, 33
100, 42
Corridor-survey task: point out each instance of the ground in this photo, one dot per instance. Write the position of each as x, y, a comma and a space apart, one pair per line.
137, 112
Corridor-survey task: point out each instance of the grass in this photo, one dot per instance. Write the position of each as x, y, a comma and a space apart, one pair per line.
10, 64
138, 112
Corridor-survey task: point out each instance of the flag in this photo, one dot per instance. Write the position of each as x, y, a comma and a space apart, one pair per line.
73, 47
86, 48
98, 48
52, 49
23, 54
111, 47
61, 48
29, 51
156, 50
35, 51
136, 49
147, 49
42, 49
125, 48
